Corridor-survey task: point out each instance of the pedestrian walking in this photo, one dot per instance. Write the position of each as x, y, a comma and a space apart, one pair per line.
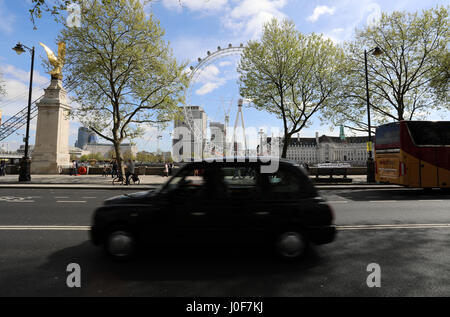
170, 169
74, 169
130, 171
3, 168
166, 169
105, 170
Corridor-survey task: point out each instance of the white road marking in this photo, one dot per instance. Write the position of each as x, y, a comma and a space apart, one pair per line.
14, 199
382, 201
437, 200
337, 201
71, 201
340, 227
394, 226
59, 228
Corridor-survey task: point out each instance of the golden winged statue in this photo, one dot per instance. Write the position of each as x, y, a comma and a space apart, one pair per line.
56, 62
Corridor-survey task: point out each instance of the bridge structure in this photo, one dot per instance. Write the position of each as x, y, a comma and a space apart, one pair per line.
19, 120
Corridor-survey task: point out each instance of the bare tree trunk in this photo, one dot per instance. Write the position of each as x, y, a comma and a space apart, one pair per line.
120, 166
286, 141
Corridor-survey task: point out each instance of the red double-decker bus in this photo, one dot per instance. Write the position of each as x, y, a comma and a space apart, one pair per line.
413, 154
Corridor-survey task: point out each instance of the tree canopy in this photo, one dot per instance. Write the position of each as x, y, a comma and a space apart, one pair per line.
146, 157
57, 7
290, 74
440, 79
124, 71
92, 156
407, 80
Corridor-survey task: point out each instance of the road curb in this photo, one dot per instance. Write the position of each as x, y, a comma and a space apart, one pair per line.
78, 186
150, 186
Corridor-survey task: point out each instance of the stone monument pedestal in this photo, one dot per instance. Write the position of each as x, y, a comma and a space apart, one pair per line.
51, 149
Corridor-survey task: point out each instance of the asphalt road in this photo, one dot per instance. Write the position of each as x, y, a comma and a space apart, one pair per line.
406, 232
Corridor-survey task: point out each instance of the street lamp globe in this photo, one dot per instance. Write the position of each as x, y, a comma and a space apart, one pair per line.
377, 51
19, 49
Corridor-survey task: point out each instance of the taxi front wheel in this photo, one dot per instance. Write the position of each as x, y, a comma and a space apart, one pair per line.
291, 244
120, 244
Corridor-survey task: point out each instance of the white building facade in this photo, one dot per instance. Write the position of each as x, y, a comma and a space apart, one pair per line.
186, 147
218, 141
327, 149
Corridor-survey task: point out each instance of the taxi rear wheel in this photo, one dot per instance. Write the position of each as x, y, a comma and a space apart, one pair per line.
291, 244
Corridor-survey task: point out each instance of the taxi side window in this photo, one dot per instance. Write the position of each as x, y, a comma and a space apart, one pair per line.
284, 181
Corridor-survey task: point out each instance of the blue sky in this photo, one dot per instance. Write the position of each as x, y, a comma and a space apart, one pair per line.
192, 29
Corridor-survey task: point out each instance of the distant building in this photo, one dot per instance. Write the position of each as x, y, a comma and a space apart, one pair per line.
195, 122
87, 143
77, 152
324, 149
217, 137
85, 136
21, 150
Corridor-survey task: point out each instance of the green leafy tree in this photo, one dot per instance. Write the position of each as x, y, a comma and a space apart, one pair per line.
145, 157
128, 155
58, 8
290, 74
38, 7
440, 78
401, 78
84, 158
125, 73
91, 156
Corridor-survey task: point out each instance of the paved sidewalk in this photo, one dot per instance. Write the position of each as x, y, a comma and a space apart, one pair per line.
80, 179
147, 181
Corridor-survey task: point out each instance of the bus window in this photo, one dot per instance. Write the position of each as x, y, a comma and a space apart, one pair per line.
430, 133
424, 133
388, 136
445, 132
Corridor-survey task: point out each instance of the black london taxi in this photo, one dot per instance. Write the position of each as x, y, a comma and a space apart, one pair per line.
232, 202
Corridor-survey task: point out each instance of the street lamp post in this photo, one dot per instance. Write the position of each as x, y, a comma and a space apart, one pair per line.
261, 133
370, 162
25, 163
